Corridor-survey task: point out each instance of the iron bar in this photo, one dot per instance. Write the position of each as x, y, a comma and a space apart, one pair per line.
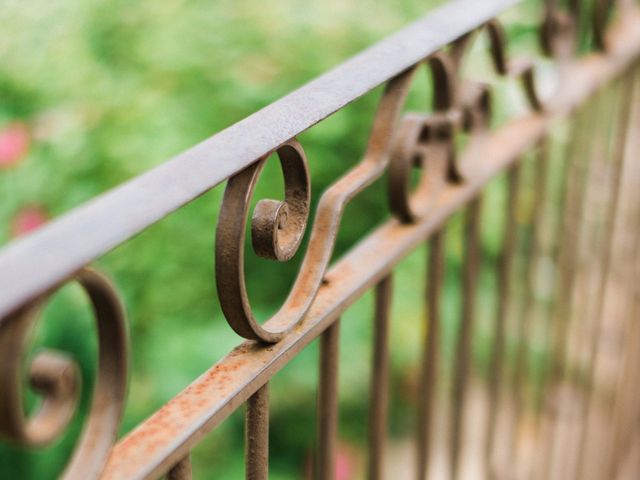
257, 435
427, 396
463, 352
627, 390
527, 311
181, 470
611, 221
571, 221
379, 394
328, 402
565, 189
581, 297
503, 293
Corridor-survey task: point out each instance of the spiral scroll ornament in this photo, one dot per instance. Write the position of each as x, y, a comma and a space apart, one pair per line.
424, 141
397, 143
427, 140
277, 228
229, 252
56, 378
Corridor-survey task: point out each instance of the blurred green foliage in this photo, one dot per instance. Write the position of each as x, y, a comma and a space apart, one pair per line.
111, 89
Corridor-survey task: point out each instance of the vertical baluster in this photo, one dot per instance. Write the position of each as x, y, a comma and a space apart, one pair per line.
627, 393
328, 402
572, 216
380, 379
582, 301
257, 435
521, 383
628, 388
563, 194
464, 344
181, 470
611, 221
427, 395
502, 307
544, 232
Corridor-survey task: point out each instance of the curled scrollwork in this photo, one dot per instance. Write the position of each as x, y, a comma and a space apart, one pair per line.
277, 228
56, 378
230, 232
423, 140
427, 140
521, 68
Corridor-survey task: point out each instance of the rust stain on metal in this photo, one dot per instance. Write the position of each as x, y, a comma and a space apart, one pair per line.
399, 142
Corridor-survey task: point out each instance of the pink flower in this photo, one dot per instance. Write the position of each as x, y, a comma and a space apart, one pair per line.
28, 219
14, 144
345, 462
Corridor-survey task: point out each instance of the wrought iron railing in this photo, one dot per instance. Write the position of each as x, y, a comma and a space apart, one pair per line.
586, 408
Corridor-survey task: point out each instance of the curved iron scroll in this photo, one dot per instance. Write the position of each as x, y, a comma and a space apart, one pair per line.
419, 140
56, 378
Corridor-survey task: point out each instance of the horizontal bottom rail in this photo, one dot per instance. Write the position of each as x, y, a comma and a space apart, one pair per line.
169, 434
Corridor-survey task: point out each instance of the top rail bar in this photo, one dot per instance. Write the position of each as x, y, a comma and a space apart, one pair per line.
35, 264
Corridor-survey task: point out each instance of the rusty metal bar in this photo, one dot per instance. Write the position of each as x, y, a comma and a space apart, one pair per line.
36, 263
563, 210
257, 435
427, 396
580, 299
380, 379
503, 298
627, 389
211, 399
627, 399
527, 310
328, 402
463, 352
181, 470
544, 234
567, 258
618, 160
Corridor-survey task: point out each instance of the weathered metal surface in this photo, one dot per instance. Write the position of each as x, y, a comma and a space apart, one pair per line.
617, 159
159, 442
379, 389
450, 180
465, 330
425, 140
32, 265
257, 435
430, 357
56, 378
181, 470
504, 283
328, 403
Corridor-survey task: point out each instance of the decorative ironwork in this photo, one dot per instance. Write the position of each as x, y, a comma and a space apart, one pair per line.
399, 142
56, 378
